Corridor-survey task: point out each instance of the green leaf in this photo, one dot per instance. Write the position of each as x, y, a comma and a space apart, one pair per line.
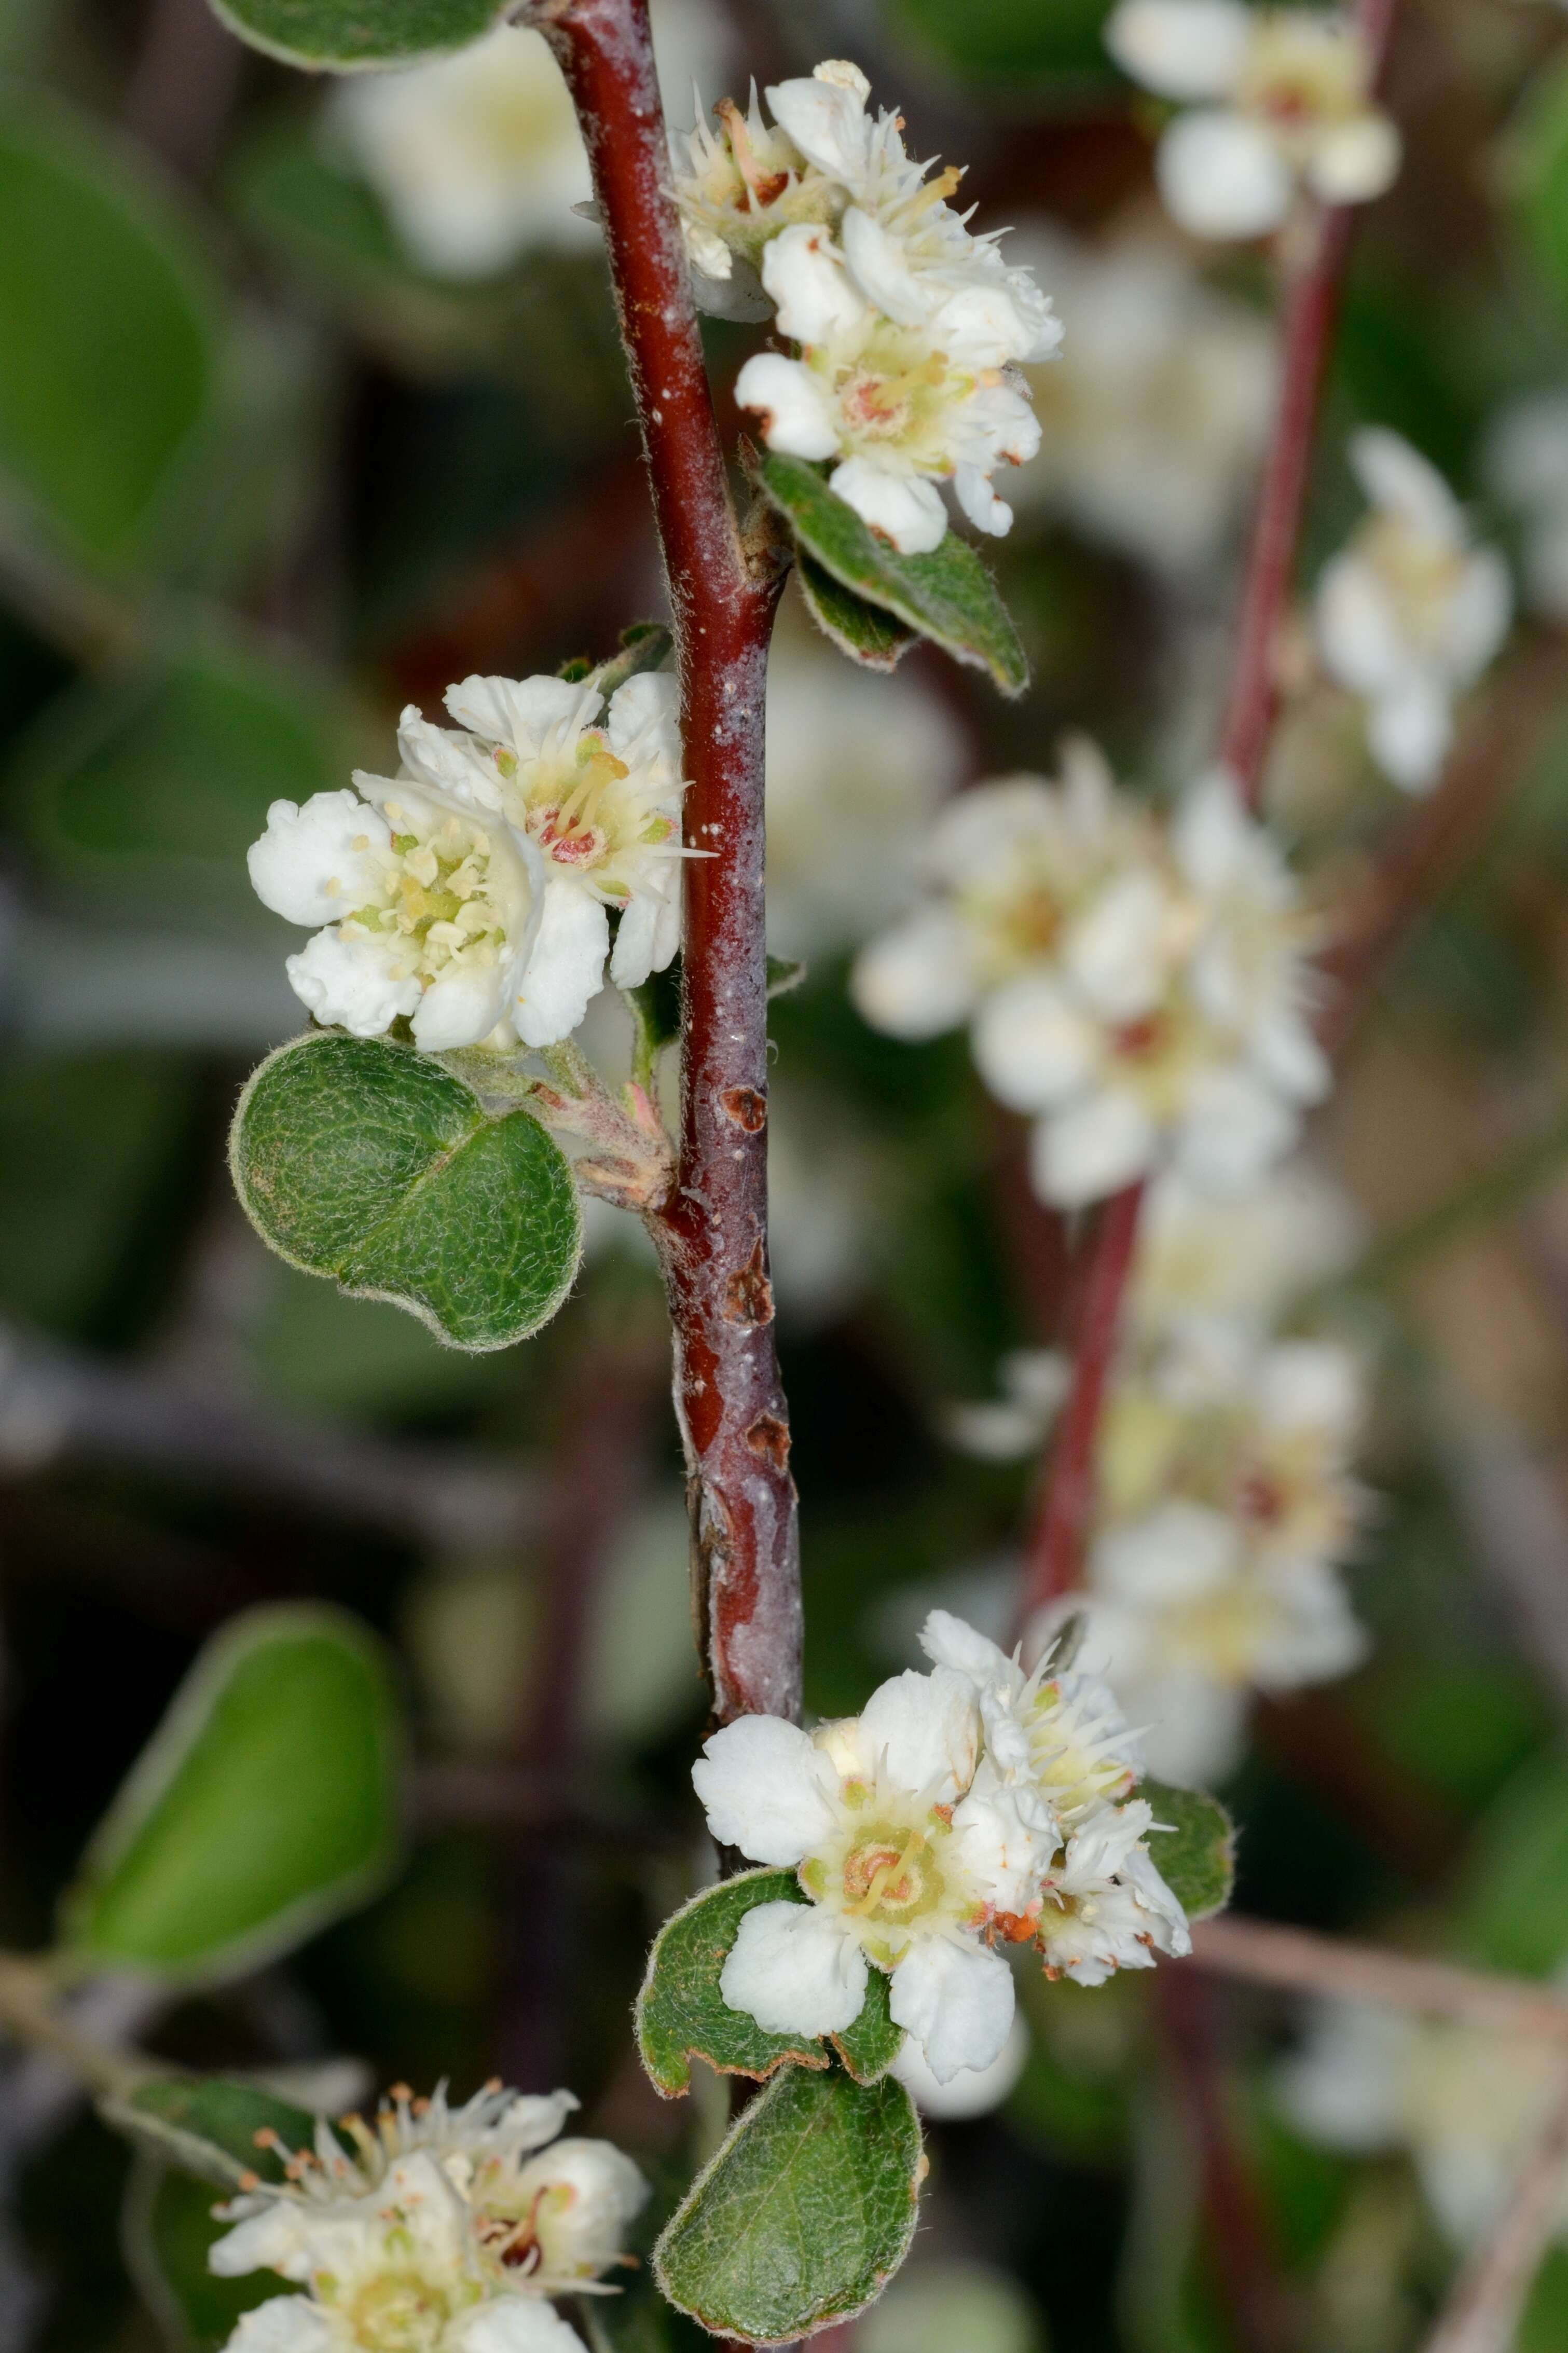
1195, 1851
1019, 53
359, 1158
167, 2229
803, 2216
340, 35
265, 1804
947, 595
1511, 1906
108, 336
869, 2047
145, 793
865, 632
207, 2127
680, 2012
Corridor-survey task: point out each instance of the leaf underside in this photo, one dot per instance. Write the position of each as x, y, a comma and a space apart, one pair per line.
804, 2213
361, 1159
870, 635
1195, 1853
345, 35
947, 595
207, 2127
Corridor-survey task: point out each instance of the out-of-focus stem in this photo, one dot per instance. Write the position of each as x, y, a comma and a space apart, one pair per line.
31, 2012
1299, 1960
712, 1229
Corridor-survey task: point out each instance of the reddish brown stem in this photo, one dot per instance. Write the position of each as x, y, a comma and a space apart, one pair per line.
1055, 1548
712, 1231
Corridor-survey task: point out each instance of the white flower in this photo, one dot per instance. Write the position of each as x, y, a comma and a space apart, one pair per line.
1526, 465
443, 2233
1410, 613
908, 1849
857, 767
1061, 1736
974, 2091
1154, 416
1289, 107
1139, 989
477, 156
472, 891
1243, 1257
1106, 1907
1466, 2104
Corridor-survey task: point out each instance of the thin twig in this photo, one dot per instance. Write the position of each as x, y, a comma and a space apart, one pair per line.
1482, 2314
711, 1231
31, 2012
1299, 1960
187, 78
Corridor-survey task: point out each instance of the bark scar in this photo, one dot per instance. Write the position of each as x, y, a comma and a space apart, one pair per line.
768, 1437
746, 1107
748, 1294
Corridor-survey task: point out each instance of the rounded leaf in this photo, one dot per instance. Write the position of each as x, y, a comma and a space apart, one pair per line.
361, 1159
346, 35
108, 328
265, 1804
1194, 1848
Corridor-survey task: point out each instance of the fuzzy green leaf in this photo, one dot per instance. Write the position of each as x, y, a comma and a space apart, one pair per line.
107, 335
360, 1158
869, 2047
265, 1804
208, 2127
167, 2228
947, 595
1196, 1855
339, 36
680, 2012
804, 2213
868, 634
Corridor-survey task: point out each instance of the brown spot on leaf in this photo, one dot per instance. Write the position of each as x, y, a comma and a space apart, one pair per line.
746, 1107
748, 1294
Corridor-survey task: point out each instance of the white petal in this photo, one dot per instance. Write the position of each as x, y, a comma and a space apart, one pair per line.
1212, 837
310, 866
1032, 1047
882, 269
795, 1969
645, 711
986, 512
1290, 1055
458, 771
1313, 1382
1480, 614
1114, 952
949, 1641
957, 2002
1345, 2085
796, 413
1410, 728
761, 1784
1167, 1919
1178, 1554
918, 979
1358, 624
520, 712
513, 2323
284, 2324
1092, 1148
904, 507
1352, 161
972, 2091
278, 2239
637, 934
1398, 479
358, 984
1234, 1129
924, 1731
804, 271
566, 966
461, 1007
1008, 1836
1221, 176
827, 123
1197, 1727
1183, 48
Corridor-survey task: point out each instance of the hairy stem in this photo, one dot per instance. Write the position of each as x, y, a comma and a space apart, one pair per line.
712, 1229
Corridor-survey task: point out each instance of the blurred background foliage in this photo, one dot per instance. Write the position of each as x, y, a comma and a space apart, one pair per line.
264, 479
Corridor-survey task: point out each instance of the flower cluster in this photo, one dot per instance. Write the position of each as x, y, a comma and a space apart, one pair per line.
1137, 987
909, 328
964, 1808
471, 894
1410, 613
1283, 106
446, 2230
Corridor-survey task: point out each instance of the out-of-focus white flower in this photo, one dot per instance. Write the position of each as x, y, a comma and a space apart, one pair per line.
908, 326
1464, 2103
1242, 1259
1410, 612
907, 1848
1526, 465
937, 2305
445, 2233
1224, 1505
1034, 1384
1138, 987
472, 891
974, 2091
477, 157
857, 767
1289, 107
1154, 417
